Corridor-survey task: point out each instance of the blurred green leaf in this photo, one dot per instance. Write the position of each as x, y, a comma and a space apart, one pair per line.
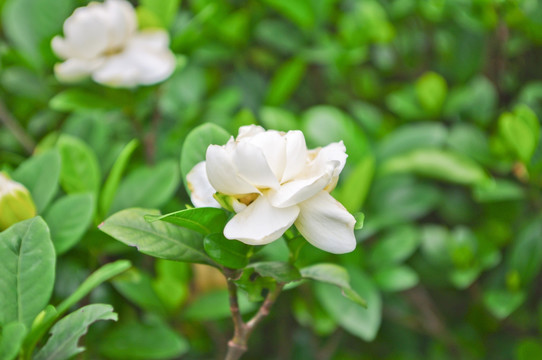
144, 341
214, 305
498, 190
357, 320
83, 100
40, 174
412, 136
298, 11
158, 239
397, 278
502, 303
205, 220
431, 89
396, 246
521, 131
164, 10
526, 252
355, 187
113, 180
68, 218
80, 171
171, 283
136, 286
27, 271
335, 275
230, 253
12, 338
66, 332
278, 119
148, 187
529, 349
285, 81
439, 164
282, 272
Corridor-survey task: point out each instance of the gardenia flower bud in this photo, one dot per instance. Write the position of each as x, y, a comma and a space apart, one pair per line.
101, 40
15, 202
275, 182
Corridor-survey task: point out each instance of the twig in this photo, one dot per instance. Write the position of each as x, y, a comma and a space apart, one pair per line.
237, 346
7, 119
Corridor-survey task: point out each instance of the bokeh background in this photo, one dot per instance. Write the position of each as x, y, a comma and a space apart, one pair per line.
438, 104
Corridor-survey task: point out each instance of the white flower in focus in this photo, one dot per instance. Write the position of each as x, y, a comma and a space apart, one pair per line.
275, 182
101, 40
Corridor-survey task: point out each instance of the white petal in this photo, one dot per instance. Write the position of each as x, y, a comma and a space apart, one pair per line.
223, 174
334, 153
201, 191
296, 155
326, 224
253, 167
260, 223
273, 146
76, 69
86, 32
248, 131
299, 190
121, 24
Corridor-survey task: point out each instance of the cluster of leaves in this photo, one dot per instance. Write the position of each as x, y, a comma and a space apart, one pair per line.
437, 103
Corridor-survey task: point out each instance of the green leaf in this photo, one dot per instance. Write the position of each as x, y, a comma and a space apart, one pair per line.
158, 239
335, 275
214, 305
525, 256
143, 341
196, 144
439, 164
27, 271
230, 253
529, 349
66, 332
360, 220
396, 246
521, 131
397, 278
113, 180
148, 187
410, 137
502, 303
205, 220
278, 119
80, 171
68, 219
29, 25
12, 338
357, 320
355, 188
164, 10
498, 190
299, 11
172, 282
82, 100
431, 90
282, 272
136, 286
40, 175
285, 81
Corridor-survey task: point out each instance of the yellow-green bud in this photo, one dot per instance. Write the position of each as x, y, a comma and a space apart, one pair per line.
16, 204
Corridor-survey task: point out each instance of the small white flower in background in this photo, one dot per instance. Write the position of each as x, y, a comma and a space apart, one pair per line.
274, 182
101, 40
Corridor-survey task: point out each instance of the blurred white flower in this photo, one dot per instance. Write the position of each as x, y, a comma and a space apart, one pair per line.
101, 40
274, 181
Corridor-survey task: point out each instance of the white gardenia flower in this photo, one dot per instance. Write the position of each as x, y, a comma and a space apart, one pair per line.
101, 40
275, 182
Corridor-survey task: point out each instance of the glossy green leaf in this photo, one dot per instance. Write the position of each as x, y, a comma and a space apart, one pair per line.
68, 218
205, 220
27, 271
40, 174
359, 321
148, 340
282, 272
440, 164
396, 278
66, 332
12, 338
335, 275
230, 253
158, 239
80, 171
148, 187
285, 81
112, 183
196, 144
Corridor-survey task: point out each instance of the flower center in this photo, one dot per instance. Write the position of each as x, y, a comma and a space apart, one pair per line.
248, 199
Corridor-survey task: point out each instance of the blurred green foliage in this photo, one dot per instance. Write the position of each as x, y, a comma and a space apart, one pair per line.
438, 103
